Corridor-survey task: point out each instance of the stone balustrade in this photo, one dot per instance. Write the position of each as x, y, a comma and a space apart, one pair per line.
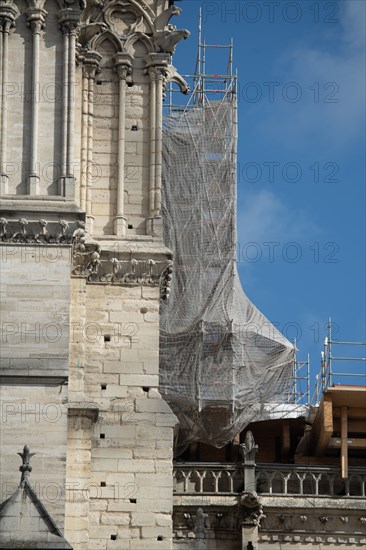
271, 479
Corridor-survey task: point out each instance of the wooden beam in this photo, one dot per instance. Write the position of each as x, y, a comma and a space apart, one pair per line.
353, 412
354, 443
323, 426
354, 426
286, 441
328, 461
344, 443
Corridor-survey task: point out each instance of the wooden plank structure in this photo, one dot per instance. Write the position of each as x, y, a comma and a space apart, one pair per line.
342, 411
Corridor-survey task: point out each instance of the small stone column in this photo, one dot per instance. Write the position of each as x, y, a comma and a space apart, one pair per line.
251, 508
157, 64
8, 12
36, 20
69, 19
123, 63
248, 450
91, 64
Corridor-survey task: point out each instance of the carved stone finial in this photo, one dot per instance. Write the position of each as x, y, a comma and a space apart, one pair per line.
201, 524
249, 449
25, 468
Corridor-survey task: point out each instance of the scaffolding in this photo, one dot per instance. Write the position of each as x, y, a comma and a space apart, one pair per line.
329, 375
204, 87
222, 363
301, 380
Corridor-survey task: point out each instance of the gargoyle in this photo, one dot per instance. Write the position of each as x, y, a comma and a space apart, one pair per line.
163, 19
167, 40
174, 76
249, 500
89, 8
87, 32
252, 508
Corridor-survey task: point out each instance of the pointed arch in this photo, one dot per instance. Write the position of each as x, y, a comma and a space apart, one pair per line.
108, 35
138, 37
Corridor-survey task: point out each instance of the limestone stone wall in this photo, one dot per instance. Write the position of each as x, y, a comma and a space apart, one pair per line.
49, 100
123, 461
35, 414
34, 357
105, 141
35, 306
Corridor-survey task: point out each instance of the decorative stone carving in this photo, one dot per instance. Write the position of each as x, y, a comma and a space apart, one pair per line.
251, 509
172, 75
166, 279
93, 7
161, 22
201, 524
3, 224
8, 13
91, 262
25, 468
324, 519
26, 231
36, 18
167, 40
87, 32
249, 449
23, 223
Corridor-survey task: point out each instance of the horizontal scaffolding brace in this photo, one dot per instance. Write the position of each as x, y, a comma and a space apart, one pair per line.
349, 343
348, 358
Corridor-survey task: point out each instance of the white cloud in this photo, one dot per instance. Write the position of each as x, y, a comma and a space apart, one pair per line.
334, 114
262, 217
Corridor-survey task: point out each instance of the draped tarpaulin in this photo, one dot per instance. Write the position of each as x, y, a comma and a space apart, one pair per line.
221, 361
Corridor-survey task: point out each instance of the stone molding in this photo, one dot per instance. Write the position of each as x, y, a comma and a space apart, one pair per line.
89, 260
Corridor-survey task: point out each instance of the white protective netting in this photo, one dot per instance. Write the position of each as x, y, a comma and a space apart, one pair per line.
221, 361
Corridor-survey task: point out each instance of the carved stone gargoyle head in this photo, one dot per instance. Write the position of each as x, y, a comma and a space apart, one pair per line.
251, 510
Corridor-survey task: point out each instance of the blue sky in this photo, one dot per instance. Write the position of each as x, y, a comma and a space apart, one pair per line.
301, 157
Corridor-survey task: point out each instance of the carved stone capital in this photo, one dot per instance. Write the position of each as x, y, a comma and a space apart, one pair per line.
159, 61
69, 20
123, 64
8, 13
36, 19
91, 62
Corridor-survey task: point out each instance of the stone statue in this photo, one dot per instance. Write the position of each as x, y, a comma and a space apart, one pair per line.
249, 449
